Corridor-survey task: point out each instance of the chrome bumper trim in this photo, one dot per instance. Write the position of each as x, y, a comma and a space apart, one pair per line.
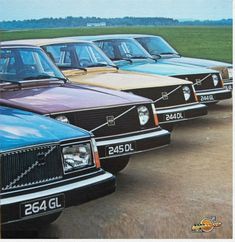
132, 138
180, 109
52, 191
212, 92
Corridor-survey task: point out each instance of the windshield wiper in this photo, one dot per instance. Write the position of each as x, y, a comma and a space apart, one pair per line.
102, 64
169, 53
72, 67
144, 57
125, 59
44, 77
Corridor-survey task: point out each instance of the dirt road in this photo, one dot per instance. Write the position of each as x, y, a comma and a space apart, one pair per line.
161, 194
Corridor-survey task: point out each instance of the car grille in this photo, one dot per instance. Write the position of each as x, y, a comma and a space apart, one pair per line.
156, 94
30, 167
206, 84
129, 122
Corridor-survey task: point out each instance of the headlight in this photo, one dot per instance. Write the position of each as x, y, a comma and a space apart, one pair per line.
215, 79
76, 156
62, 119
143, 115
230, 73
187, 92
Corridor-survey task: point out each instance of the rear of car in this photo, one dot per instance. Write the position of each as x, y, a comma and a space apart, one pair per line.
43, 173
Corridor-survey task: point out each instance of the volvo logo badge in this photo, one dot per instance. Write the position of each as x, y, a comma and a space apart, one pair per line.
164, 96
198, 81
110, 120
41, 158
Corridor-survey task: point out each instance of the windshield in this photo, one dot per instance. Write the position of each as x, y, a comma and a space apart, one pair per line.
77, 55
119, 49
20, 63
156, 45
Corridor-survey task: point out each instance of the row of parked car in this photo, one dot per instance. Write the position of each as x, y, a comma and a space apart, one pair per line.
73, 110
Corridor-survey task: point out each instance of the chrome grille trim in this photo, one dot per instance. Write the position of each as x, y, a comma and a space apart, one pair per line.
21, 168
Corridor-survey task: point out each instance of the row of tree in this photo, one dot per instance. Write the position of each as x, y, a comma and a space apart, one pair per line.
89, 21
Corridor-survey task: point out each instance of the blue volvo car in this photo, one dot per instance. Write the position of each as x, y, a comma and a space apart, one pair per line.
46, 166
129, 55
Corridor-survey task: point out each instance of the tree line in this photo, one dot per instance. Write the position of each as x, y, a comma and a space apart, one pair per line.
89, 21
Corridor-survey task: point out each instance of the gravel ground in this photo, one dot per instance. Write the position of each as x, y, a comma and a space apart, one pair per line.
161, 194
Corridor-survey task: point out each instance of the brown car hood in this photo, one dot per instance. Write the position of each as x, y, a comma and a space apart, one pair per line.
121, 80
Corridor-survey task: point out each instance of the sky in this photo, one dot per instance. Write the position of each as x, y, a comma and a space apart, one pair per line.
177, 9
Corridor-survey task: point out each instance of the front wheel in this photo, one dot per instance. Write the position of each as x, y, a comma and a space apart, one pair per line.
115, 165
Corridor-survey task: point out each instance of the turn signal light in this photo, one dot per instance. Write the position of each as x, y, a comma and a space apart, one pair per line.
97, 160
195, 95
155, 115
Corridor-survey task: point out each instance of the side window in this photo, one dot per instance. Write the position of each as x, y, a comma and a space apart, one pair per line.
67, 58
85, 55
27, 58
108, 49
45, 66
7, 62
98, 56
83, 52
124, 50
54, 53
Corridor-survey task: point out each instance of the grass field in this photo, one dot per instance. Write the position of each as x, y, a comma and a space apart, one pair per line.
203, 42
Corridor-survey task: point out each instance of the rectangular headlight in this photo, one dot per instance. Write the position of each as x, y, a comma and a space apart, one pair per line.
230, 73
77, 156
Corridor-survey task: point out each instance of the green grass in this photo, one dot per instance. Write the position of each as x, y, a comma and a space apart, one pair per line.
202, 42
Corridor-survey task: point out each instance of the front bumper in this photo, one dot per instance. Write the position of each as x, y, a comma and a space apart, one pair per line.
75, 192
142, 140
213, 96
180, 113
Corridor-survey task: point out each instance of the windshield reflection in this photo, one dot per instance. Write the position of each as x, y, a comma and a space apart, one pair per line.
19, 64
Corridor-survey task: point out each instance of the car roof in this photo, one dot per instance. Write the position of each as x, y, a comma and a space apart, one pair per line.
40, 42
102, 37
10, 44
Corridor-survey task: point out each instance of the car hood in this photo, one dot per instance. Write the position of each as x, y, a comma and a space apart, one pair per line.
56, 99
195, 62
21, 129
164, 69
122, 80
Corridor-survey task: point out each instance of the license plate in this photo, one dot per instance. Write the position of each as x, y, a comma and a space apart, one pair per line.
43, 205
207, 98
174, 116
119, 149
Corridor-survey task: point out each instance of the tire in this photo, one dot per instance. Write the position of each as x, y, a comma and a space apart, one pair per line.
168, 127
115, 165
